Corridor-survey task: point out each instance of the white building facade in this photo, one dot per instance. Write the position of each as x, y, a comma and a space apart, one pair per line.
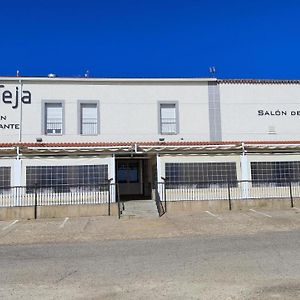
81, 131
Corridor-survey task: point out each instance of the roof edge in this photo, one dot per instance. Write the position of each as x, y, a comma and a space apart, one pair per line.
100, 80
258, 81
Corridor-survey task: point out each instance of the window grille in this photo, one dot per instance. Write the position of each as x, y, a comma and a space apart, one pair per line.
202, 174
278, 173
49, 176
5, 177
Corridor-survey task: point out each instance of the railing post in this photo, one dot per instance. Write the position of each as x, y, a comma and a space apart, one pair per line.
164, 191
229, 196
291, 194
118, 200
35, 201
109, 194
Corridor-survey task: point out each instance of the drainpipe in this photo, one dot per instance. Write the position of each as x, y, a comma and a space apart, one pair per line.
17, 178
21, 117
136, 151
243, 149
18, 153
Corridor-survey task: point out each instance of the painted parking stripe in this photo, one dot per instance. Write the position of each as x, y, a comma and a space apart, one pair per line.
63, 223
210, 213
10, 224
260, 213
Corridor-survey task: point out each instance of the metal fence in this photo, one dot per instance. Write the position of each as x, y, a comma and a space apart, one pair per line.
233, 190
164, 192
160, 198
57, 195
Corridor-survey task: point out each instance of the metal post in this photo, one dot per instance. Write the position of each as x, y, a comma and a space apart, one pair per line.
164, 189
35, 201
229, 197
291, 195
118, 199
109, 194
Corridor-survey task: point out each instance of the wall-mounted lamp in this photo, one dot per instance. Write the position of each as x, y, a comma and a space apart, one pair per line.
161, 139
39, 140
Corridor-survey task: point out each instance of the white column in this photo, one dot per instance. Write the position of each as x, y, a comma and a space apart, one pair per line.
158, 168
17, 180
159, 174
112, 174
244, 176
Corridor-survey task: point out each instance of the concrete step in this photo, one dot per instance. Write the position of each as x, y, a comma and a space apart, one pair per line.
140, 209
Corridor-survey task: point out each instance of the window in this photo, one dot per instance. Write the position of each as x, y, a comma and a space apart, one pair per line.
202, 174
64, 176
89, 119
168, 118
275, 173
53, 115
4, 177
128, 172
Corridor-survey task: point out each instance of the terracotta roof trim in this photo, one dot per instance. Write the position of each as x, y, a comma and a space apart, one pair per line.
144, 144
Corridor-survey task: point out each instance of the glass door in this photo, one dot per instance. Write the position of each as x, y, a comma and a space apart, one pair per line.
129, 177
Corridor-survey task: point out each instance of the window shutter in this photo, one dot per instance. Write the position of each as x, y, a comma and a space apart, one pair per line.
168, 111
54, 116
168, 120
89, 119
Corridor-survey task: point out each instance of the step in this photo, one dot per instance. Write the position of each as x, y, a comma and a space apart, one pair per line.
140, 209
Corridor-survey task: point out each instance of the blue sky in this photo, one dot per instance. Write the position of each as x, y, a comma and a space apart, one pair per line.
151, 38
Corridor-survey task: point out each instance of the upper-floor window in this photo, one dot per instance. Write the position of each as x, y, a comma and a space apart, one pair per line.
89, 123
53, 116
168, 118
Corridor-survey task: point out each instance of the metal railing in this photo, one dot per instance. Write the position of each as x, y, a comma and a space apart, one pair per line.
160, 197
231, 190
89, 127
58, 195
54, 127
121, 206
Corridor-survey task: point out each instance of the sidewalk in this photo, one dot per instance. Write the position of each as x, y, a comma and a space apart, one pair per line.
170, 225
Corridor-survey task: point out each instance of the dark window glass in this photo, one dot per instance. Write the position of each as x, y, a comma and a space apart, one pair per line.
48, 176
128, 172
4, 177
279, 173
201, 174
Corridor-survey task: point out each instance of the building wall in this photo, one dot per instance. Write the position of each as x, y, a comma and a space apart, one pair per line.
260, 112
128, 112
208, 111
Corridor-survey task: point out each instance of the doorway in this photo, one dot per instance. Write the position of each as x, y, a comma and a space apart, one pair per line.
132, 178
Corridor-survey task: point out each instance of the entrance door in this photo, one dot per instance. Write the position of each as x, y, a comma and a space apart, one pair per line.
130, 177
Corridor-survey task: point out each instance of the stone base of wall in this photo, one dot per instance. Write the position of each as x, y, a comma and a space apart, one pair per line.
223, 205
57, 211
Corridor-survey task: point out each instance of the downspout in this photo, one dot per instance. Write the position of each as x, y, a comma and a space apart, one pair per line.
18, 153
21, 117
136, 151
243, 149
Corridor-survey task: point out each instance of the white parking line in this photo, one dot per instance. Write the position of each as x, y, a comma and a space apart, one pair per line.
260, 213
296, 208
63, 223
210, 213
10, 224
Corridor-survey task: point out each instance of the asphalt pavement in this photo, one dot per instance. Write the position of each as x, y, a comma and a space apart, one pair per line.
188, 256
